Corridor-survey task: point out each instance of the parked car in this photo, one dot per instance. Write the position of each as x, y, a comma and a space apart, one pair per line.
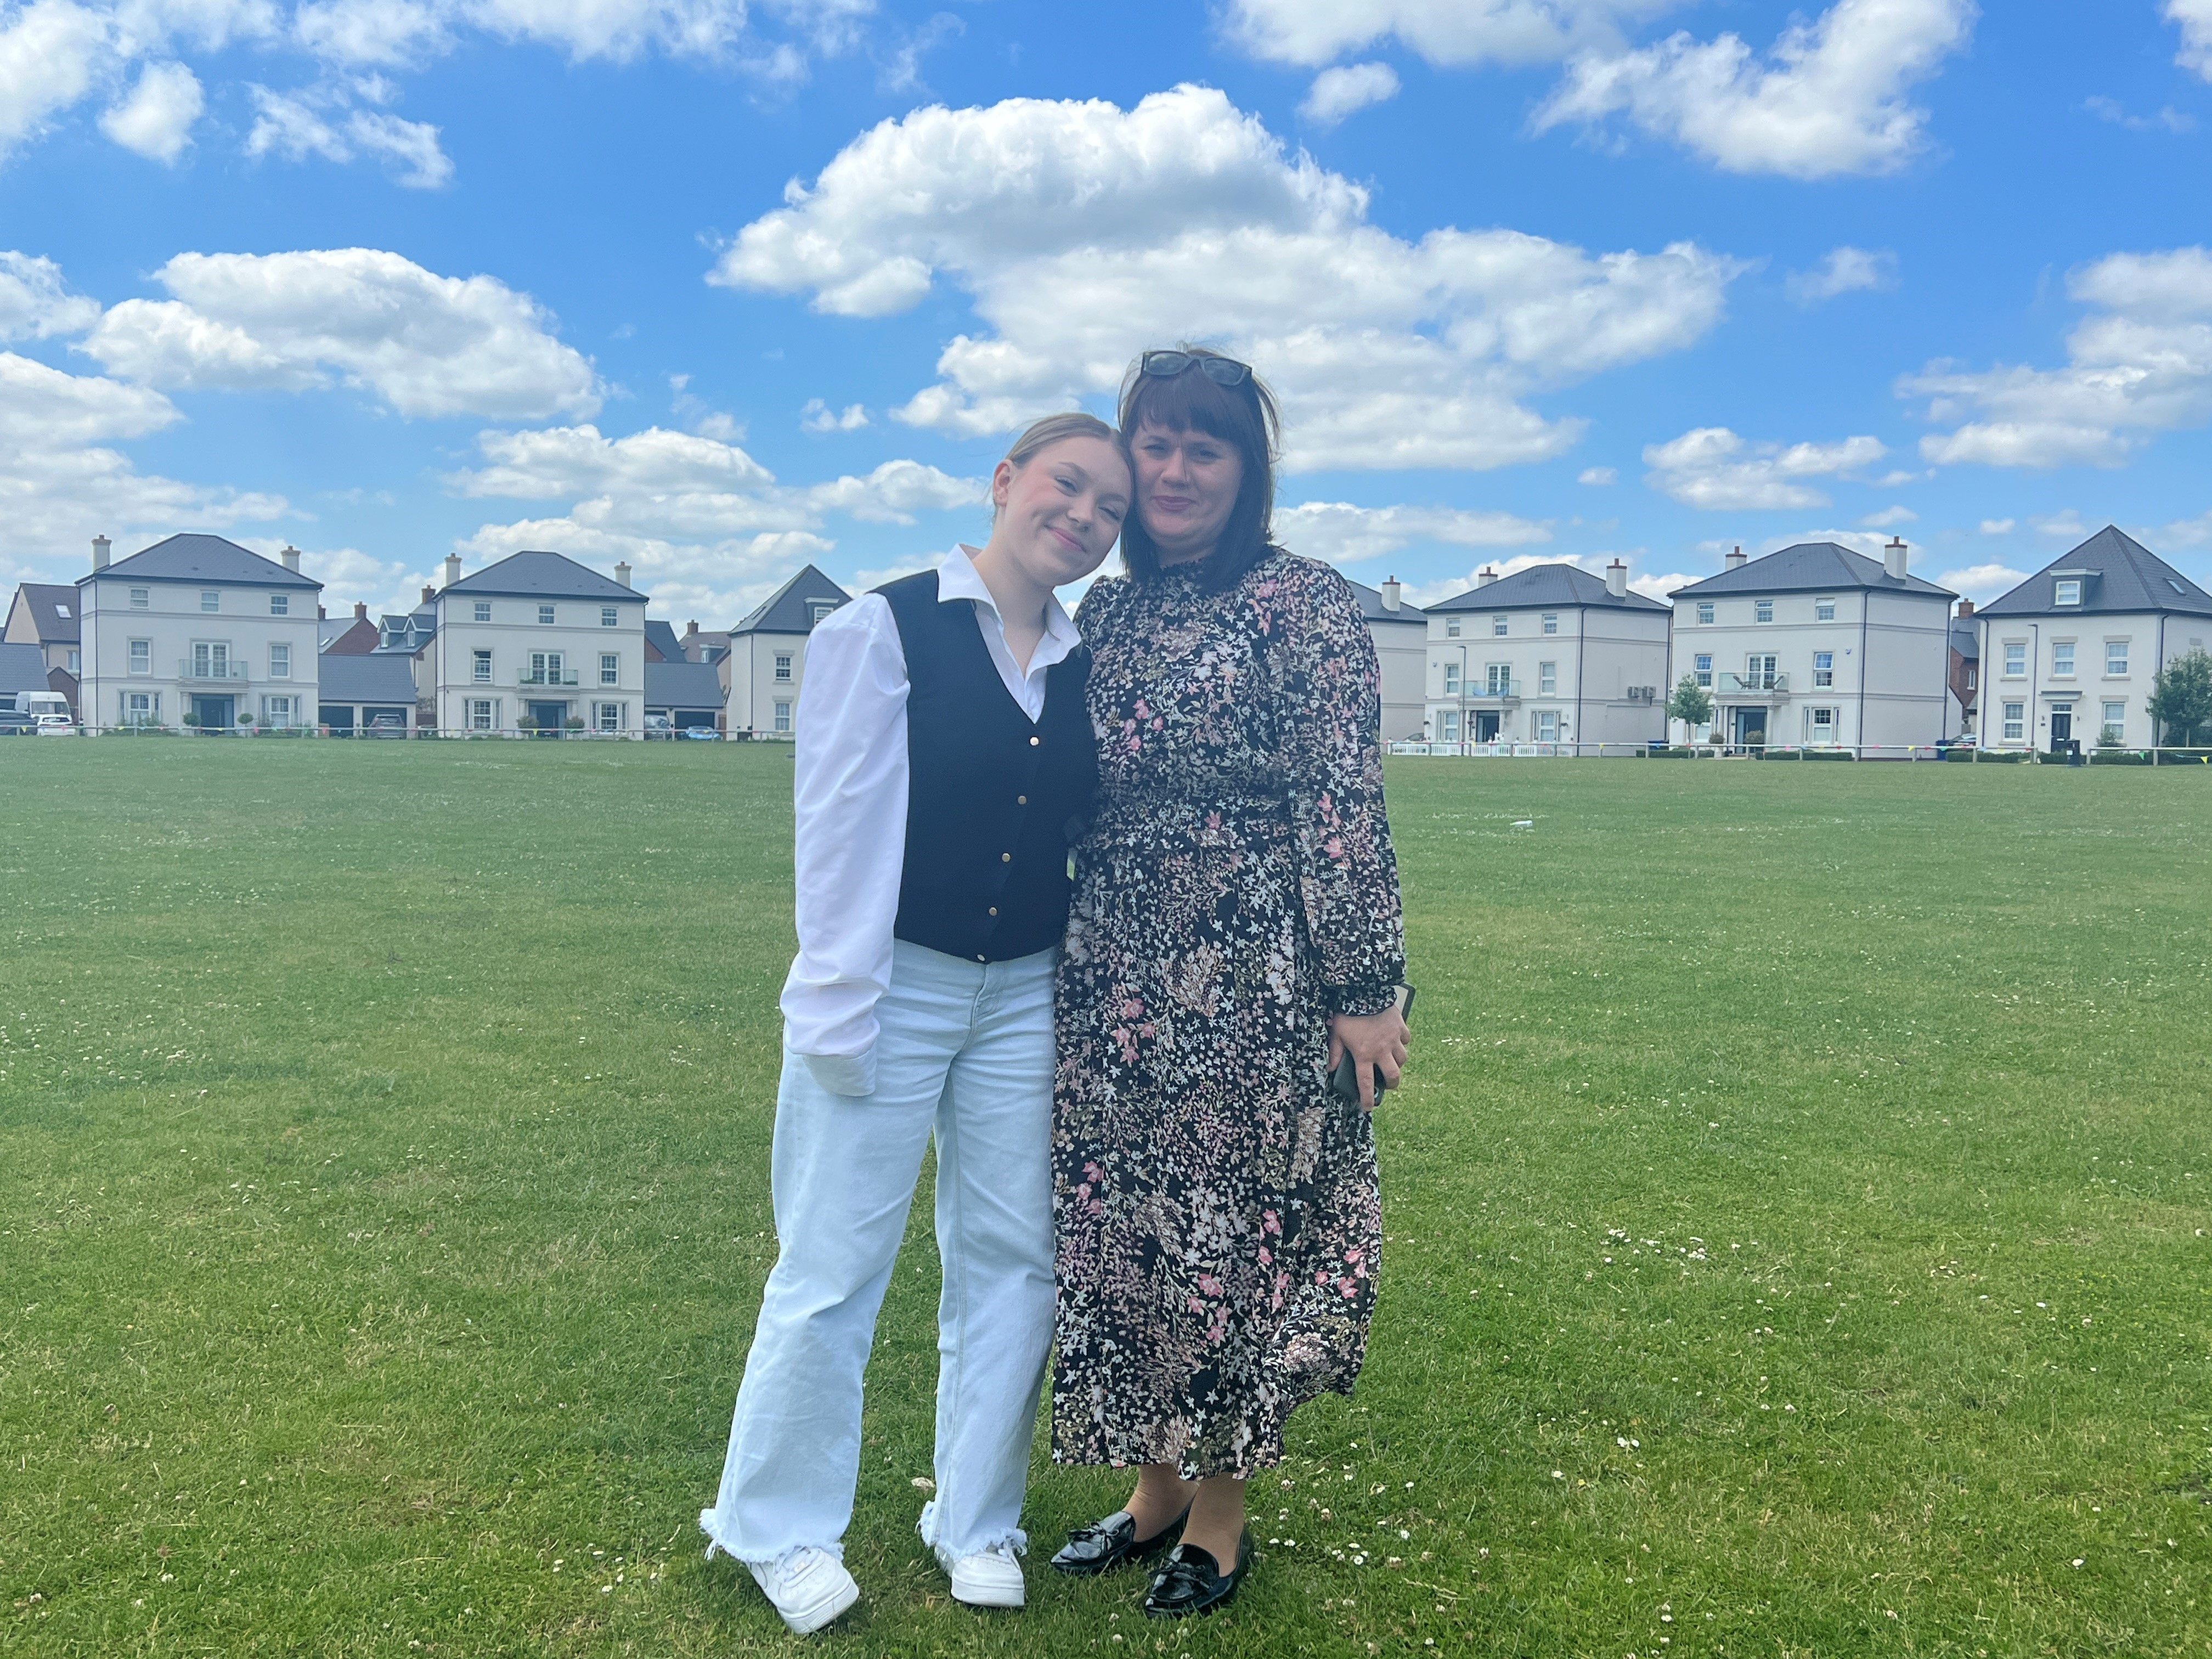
56, 726
704, 734
659, 726
14, 723
385, 726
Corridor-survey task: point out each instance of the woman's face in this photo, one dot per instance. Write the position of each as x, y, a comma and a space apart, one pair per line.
1059, 513
1187, 485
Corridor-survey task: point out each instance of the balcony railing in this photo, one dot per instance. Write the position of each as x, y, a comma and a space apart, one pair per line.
1755, 685
549, 676
221, 669
1486, 690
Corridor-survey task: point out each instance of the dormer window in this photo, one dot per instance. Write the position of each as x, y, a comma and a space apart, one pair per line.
61, 611
2068, 591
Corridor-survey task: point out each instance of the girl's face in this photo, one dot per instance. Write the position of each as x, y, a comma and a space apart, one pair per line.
1187, 485
1059, 513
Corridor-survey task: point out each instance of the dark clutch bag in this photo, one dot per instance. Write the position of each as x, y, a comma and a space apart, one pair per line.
1344, 1081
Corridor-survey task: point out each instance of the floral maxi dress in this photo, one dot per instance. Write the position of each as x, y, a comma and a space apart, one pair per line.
1216, 1207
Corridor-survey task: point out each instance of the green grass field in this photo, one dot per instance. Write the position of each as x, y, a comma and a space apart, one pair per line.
1797, 1222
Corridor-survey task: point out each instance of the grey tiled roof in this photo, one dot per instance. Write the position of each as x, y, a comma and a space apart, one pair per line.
1372, 606
683, 685
662, 638
531, 575
196, 558
23, 668
1544, 587
376, 677
46, 603
1966, 640
1809, 567
789, 609
2128, 576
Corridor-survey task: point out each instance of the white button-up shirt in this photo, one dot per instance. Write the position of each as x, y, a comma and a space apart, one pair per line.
850, 798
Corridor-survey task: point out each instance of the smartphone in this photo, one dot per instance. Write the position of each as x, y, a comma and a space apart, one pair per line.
1344, 1082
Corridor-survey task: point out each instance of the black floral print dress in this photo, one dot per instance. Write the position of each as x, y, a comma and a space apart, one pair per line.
1217, 1211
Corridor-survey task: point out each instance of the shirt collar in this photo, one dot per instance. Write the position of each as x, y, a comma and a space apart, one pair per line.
956, 579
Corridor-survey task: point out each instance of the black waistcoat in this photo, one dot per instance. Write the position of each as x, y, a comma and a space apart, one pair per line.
995, 800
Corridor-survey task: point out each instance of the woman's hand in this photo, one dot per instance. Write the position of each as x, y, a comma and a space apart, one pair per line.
1373, 1040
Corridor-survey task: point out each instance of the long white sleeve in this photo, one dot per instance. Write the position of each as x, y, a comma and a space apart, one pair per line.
850, 840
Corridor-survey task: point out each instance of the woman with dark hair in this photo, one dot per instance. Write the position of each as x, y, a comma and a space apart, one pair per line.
1235, 931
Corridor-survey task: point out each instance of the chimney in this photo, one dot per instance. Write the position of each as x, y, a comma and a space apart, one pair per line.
689, 628
1736, 559
321, 615
622, 572
100, 546
1484, 577
360, 611
291, 558
453, 569
428, 593
1616, 580
1966, 607
1892, 558
1392, 593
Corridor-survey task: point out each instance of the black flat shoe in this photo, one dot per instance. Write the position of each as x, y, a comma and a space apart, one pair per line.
1112, 1543
1192, 1581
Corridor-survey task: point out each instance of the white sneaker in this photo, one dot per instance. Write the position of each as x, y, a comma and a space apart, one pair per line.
808, 1586
989, 1578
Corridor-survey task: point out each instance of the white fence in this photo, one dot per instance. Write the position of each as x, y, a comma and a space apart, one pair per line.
1956, 753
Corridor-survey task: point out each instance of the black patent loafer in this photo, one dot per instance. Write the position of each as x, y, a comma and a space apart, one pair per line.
1191, 1581
1112, 1543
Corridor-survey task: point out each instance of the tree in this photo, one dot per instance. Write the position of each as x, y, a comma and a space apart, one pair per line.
1691, 703
2180, 698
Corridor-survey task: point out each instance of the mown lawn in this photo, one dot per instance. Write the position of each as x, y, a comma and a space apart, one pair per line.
1797, 1222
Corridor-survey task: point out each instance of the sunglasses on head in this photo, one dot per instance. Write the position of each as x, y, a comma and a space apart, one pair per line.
1222, 371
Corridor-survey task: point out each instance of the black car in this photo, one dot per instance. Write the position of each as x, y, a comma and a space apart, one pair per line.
14, 723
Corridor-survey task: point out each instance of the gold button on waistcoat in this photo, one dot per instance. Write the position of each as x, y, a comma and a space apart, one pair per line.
1005, 858
1034, 741
1021, 800
995, 910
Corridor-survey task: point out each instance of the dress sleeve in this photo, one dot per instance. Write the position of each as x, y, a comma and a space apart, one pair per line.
849, 797
1327, 685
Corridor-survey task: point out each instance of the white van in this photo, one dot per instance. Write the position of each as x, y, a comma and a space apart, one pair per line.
43, 703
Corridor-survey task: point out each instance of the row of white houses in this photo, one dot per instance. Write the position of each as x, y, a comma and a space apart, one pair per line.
1816, 645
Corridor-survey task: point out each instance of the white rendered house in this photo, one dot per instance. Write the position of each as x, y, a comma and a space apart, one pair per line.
766, 661
197, 631
2070, 655
1548, 655
535, 642
1816, 645
1400, 632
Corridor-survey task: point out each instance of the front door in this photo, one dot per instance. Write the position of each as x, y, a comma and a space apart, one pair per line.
2062, 724
1749, 727
1486, 726
212, 714
549, 716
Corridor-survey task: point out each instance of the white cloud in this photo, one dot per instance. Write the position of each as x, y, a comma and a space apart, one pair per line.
1085, 232
1997, 527
1845, 271
569, 461
60, 484
1598, 475
1889, 518
1445, 31
1830, 99
1890, 480
156, 119
295, 127
50, 52
1710, 467
2062, 526
35, 303
1345, 534
2168, 119
2184, 533
1348, 89
2195, 17
1982, 582
819, 417
428, 345
2139, 364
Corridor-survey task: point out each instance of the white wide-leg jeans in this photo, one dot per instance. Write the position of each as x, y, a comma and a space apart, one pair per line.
965, 1053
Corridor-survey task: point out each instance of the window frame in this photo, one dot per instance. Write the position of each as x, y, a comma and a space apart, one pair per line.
211, 601
1545, 725
1452, 681
2061, 652
781, 716
780, 668
610, 668
547, 617
1500, 627
142, 599
139, 653
1824, 608
609, 615
2121, 648
2013, 722
607, 718
280, 659
1812, 722
1707, 612
1548, 679
279, 605
1701, 670
482, 714
1451, 628
2015, 659
480, 668
2066, 591
480, 611
1762, 610
1823, 670
1550, 622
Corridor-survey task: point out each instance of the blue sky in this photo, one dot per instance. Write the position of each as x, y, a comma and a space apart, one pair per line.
722, 290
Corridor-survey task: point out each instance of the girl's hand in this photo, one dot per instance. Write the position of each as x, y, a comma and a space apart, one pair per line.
1373, 1040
